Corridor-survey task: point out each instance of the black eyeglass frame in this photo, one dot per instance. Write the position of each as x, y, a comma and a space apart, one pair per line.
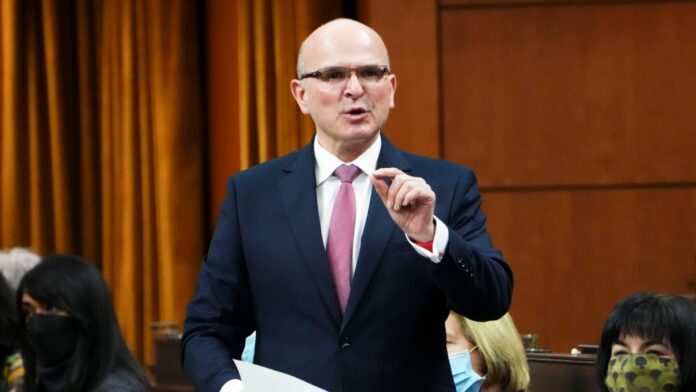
318, 74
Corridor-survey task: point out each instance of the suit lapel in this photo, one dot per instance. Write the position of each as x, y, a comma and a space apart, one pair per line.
378, 229
298, 192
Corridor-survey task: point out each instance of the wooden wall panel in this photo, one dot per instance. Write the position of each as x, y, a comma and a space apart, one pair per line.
581, 93
578, 117
576, 253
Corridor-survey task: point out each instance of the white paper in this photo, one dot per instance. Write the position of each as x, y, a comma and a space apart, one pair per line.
262, 379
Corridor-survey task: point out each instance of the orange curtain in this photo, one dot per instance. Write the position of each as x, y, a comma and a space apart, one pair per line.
40, 204
102, 145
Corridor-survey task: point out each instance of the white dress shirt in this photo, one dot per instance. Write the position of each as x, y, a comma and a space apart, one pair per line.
328, 186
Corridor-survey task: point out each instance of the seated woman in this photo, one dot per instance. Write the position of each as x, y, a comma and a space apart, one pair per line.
72, 341
649, 344
10, 360
486, 356
13, 265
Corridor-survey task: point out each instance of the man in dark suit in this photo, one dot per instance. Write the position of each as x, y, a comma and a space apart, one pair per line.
369, 317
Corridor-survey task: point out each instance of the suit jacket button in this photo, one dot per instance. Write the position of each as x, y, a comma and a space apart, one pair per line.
344, 343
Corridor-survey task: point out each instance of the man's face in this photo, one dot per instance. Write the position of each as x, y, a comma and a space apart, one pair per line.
348, 113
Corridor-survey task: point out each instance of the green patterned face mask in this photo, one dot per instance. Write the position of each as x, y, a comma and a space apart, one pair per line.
642, 373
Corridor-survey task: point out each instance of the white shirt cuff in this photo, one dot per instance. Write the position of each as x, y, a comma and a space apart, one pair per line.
233, 386
439, 243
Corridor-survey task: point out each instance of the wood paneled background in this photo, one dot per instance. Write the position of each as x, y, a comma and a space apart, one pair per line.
579, 118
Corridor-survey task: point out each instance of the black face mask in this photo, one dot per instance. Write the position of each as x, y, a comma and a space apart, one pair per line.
52, 337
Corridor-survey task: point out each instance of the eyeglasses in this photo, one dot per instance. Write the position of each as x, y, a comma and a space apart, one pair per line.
335, 76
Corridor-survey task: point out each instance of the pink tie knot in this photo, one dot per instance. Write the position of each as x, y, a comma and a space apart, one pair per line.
347, 173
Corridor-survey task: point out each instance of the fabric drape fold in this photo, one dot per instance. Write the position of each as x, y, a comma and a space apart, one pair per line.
102, 146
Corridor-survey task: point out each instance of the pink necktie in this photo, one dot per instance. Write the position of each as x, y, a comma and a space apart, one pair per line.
339, 244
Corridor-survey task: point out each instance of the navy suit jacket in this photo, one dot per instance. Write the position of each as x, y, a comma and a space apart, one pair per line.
267, 270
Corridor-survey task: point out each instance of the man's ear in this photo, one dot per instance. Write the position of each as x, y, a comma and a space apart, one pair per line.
299, 93
392, 83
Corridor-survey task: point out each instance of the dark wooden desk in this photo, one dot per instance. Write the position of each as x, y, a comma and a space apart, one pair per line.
549, 372
553, 372
166, 371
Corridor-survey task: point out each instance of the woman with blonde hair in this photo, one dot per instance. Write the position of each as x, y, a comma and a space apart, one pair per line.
486, 356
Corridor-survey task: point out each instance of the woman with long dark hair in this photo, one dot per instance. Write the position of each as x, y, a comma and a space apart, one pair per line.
72, 341
649, 343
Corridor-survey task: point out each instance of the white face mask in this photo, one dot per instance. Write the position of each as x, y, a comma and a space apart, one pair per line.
465, 378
